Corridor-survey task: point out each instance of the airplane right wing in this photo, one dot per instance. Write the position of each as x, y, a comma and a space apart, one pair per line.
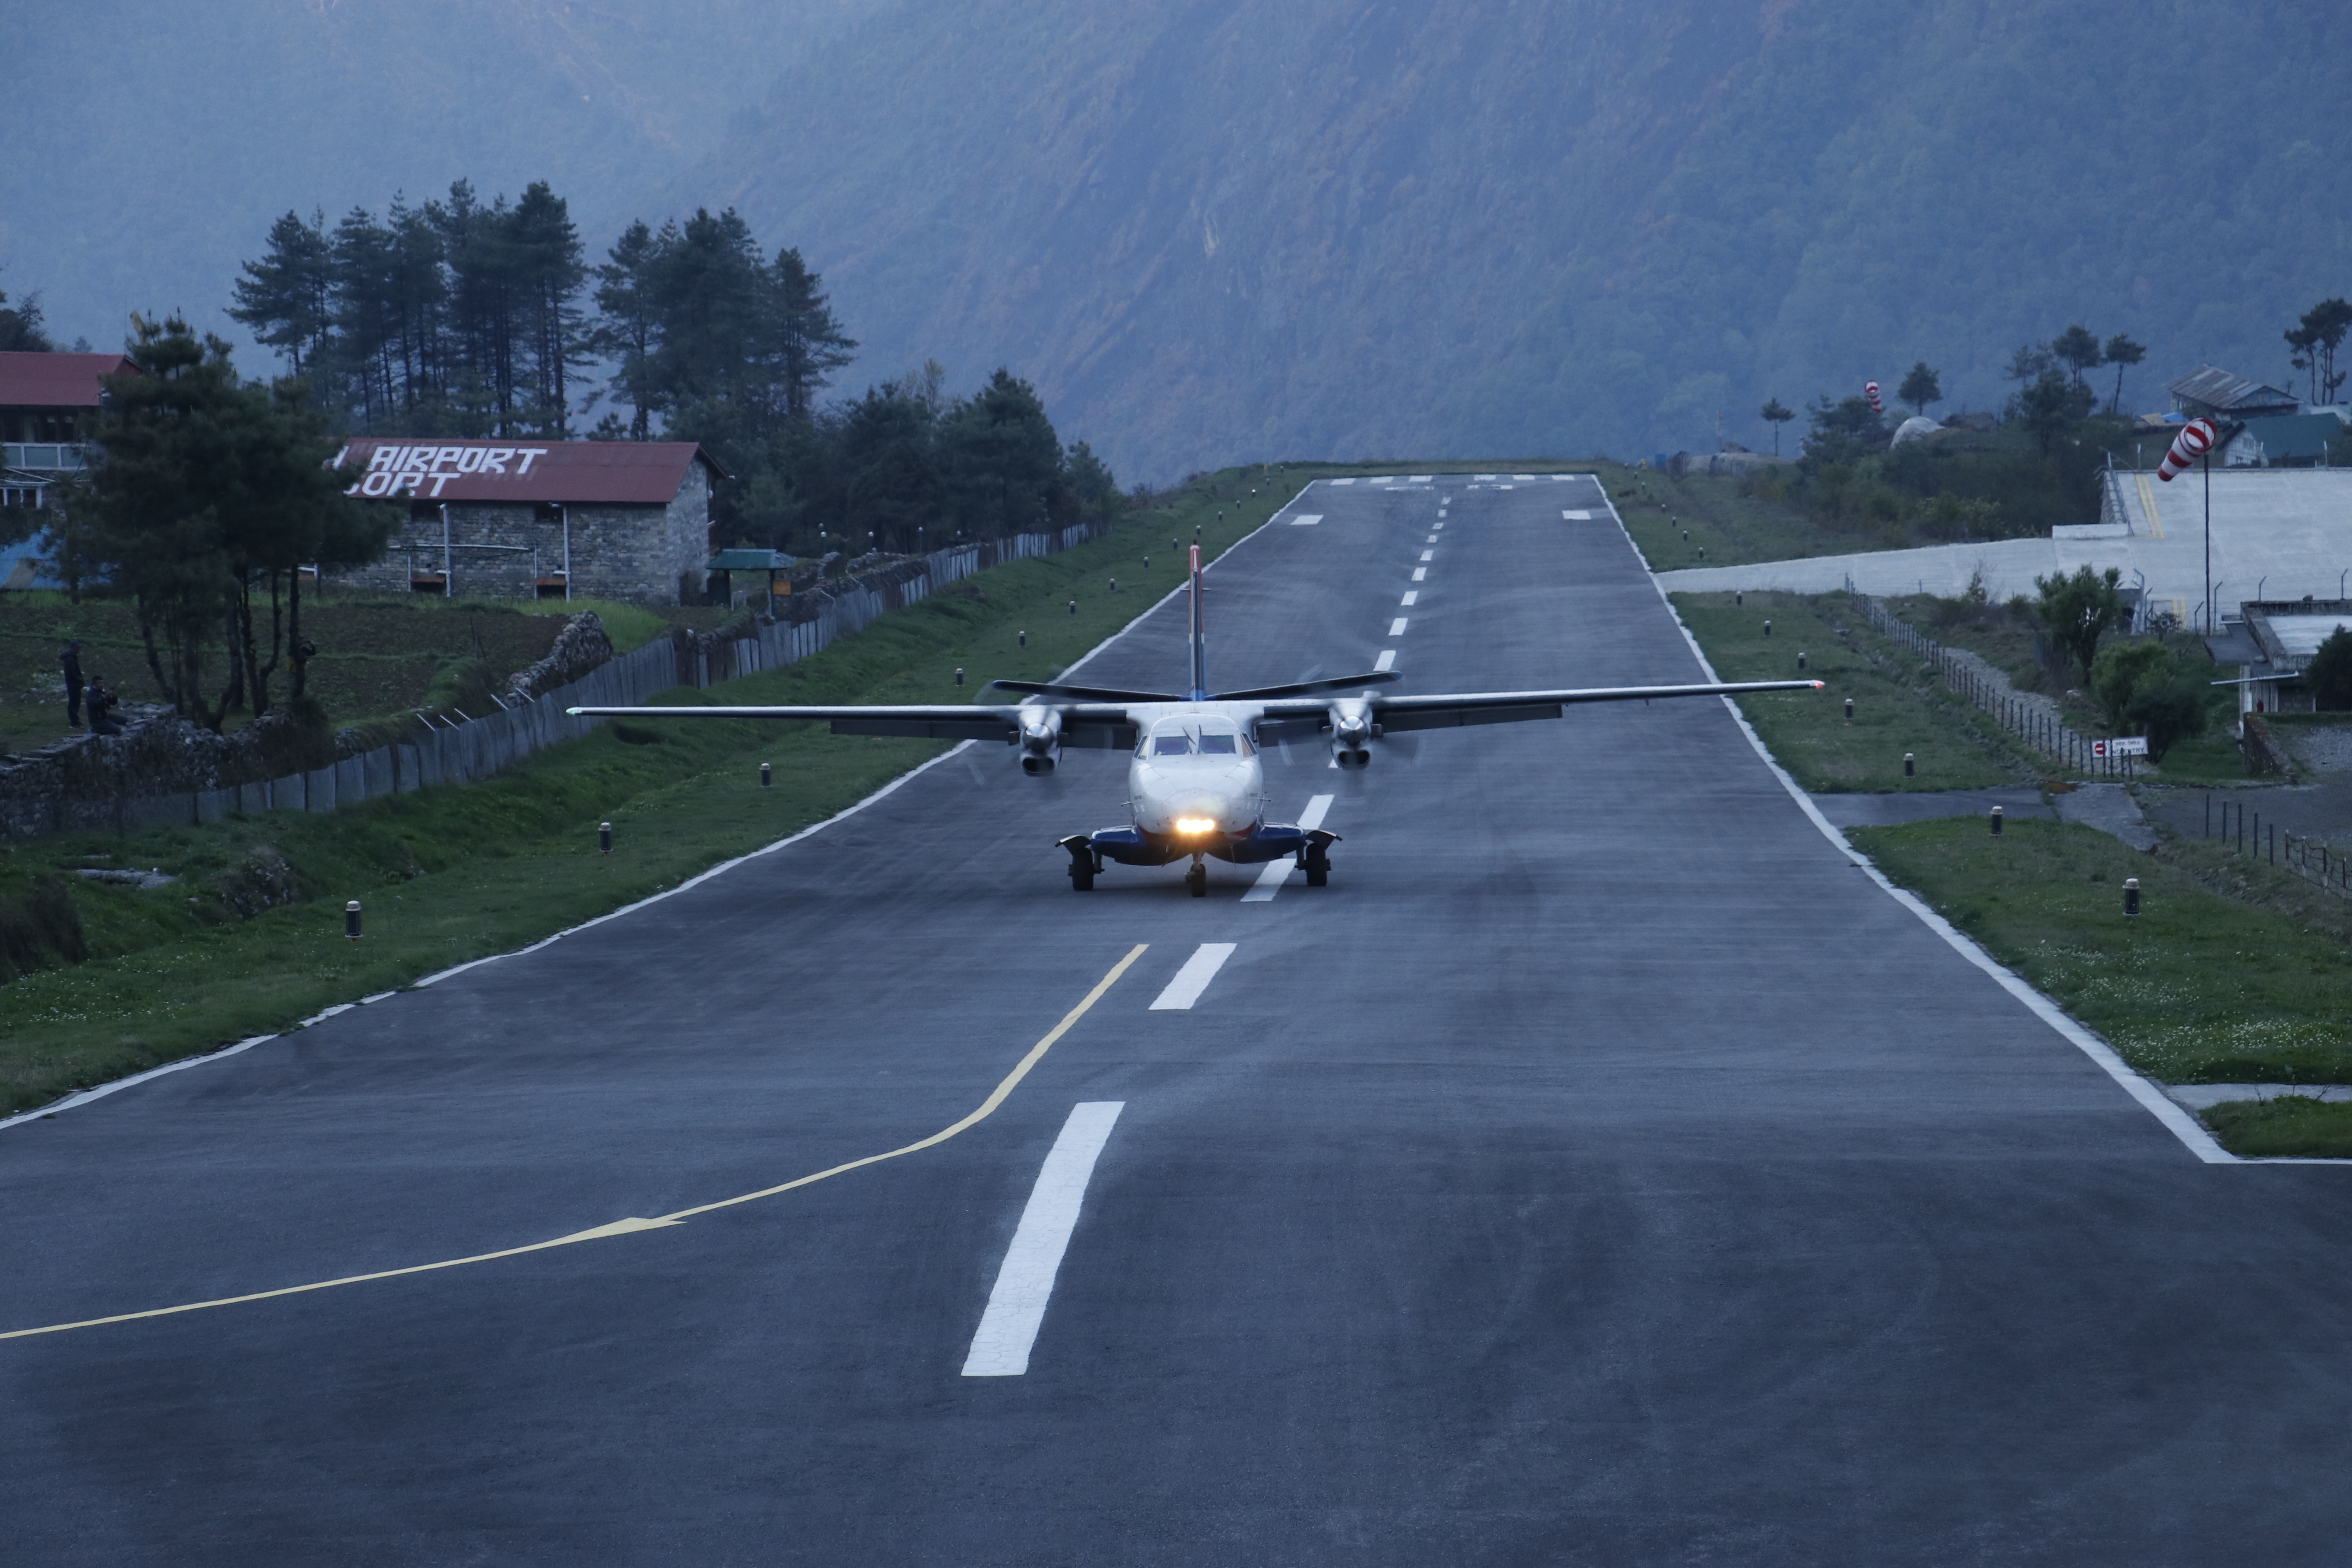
1091, 724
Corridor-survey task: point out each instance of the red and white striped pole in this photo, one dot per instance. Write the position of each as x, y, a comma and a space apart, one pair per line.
1870, 390
2195, 442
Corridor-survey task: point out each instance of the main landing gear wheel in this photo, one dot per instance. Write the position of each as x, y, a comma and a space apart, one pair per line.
1196, 881
1082, 879
1317, 864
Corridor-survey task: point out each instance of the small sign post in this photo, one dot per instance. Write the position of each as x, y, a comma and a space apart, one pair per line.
2121, 746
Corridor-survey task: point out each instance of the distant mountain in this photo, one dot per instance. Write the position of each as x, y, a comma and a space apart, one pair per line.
1219, 230
1213, 231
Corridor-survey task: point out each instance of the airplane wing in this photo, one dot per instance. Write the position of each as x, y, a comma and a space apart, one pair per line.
1397, 714
1090, 724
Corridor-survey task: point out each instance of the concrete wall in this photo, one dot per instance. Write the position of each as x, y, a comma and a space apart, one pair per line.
648, 555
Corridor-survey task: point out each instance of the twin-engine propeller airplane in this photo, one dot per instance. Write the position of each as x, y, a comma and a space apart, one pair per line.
1196, 787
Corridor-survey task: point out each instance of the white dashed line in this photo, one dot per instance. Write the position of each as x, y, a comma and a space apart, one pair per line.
1577, 516
1429, 555
1410, 595
1396, 627
1307, 519
1420, 574
1422, 479
1017, 1307
1386, 661
1483, 479
1194, 978
1525, 479
1431, 540
1270, 881
1345, 481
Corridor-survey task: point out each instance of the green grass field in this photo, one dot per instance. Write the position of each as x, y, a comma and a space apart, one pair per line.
454, 874
2231, 974
1898, 705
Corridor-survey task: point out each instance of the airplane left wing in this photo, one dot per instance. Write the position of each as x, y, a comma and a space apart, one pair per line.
1441, 713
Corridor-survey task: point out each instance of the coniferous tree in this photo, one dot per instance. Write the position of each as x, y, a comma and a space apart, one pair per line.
20, 326
2077, 348
1000, 459
1921, 387
1776, 414
2123, 353
287, 298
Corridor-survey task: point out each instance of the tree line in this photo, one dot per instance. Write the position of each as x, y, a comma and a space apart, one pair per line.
466, 317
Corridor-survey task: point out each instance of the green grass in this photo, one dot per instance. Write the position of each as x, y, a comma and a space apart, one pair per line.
2201, 987
1898, 705
454, 874
2275, 1129
1731, 527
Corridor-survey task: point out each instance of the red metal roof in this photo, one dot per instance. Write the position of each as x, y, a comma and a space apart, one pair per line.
626, 473
56, 381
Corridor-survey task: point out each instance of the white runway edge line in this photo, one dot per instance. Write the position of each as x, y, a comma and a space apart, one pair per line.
1269, 881
1194, 978
1017, 1307
2175, 1120
85, 1095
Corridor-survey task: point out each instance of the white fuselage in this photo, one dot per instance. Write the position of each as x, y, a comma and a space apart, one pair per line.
1196, 778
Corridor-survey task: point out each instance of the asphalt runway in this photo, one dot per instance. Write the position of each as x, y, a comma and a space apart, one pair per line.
1601, 1170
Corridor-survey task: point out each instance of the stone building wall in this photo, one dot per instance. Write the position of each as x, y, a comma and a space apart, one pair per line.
649, 555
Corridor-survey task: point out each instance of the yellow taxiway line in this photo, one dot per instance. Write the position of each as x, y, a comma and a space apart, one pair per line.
986, 1108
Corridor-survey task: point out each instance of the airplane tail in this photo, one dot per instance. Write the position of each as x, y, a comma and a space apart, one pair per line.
1199, 645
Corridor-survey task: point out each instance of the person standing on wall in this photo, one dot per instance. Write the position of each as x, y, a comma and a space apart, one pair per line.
71, 659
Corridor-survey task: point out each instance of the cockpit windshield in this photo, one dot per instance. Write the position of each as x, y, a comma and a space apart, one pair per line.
1210, 739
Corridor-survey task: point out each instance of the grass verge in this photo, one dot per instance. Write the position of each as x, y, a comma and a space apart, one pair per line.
2260, 1129
1899, 704
2201, 988
250, 938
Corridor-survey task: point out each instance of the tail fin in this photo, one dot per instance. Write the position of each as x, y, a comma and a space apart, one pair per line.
1200, 647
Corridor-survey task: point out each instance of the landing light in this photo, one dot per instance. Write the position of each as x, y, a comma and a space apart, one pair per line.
1196, 825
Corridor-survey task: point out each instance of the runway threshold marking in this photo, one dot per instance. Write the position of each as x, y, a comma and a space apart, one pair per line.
1269, 881
986, 1108
1025, 1283
1194, 978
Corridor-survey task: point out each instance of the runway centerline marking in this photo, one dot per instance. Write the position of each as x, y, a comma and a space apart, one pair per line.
1431, 540
1396, 627
1307, 519
986, 1108
1025, 1283
1429, 555
1411, 595
1386, 661
1420, 574
1194, 978
1577, 516
1270, 881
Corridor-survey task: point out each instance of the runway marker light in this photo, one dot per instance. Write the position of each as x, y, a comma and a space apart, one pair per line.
605, 837
1768, 628
2131, 895
1849, 710
1114, 584
1074, 606
1738, 598
1996, 822
351, 920
1910, 768
767, 778
1800, 659
1024, 639
959, 675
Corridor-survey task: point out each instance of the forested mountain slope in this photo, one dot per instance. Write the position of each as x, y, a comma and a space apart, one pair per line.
1218, 230
1211, 231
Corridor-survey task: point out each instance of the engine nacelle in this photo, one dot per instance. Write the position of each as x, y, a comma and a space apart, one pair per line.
1041, 739
1351, 732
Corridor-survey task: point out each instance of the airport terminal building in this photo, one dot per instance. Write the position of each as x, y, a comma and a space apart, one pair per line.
607, 520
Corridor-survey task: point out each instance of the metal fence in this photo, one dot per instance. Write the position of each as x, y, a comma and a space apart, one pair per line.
460, 753
1995, 697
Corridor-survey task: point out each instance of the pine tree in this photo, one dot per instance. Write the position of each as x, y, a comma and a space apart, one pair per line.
2123, 353
287, 298
810, 343
1920, 388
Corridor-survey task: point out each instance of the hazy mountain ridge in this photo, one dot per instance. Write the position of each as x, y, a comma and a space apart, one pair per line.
1214, 233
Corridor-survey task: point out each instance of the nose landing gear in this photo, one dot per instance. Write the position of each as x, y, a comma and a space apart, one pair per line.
1196, 881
